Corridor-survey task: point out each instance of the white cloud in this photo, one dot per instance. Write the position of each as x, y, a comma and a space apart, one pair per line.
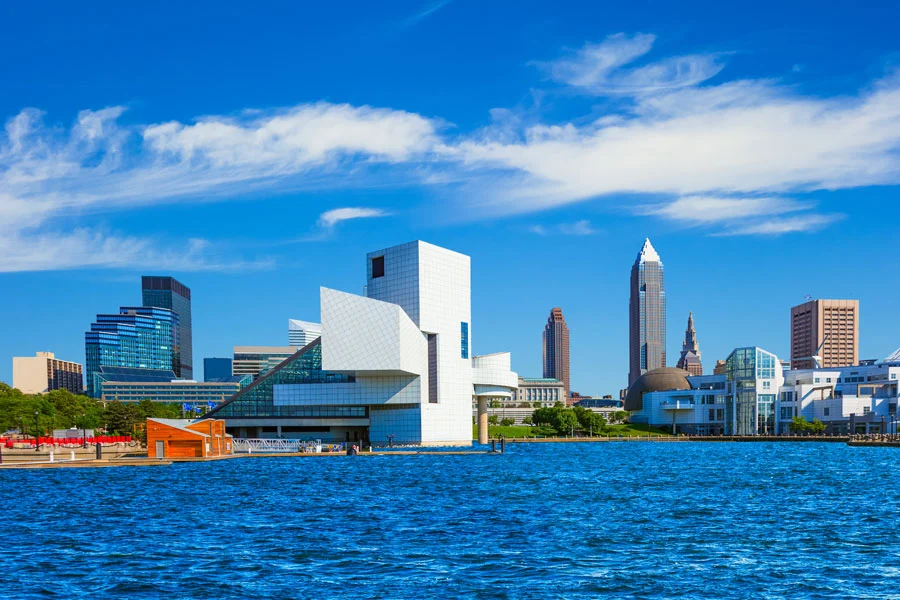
601, 68
783, 225
332, 217
50, 174
743, 216
708, 209
426, 12
745, 138
84, 248
723, 156
582, 227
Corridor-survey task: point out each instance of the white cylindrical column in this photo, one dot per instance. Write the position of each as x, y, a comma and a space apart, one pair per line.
482, 420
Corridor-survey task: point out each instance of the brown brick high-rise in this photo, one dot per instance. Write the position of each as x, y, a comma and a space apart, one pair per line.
556, 348
832, 324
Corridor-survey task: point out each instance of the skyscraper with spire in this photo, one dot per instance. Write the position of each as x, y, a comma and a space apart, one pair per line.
647, 314
690, 350
556, 348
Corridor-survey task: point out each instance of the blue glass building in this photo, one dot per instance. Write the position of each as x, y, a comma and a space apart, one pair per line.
168, 292
216, 368
138, 337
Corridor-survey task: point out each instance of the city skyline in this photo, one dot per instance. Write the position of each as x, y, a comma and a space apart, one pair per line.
547, 164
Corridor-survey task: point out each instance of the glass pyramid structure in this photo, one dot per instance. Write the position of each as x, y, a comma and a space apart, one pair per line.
257, 399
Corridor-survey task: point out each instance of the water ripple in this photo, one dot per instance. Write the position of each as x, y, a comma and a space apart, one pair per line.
636, 520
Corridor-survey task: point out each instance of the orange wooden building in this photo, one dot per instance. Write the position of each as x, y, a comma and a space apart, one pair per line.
186, 438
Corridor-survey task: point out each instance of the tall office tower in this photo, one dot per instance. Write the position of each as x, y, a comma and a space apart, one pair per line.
43, 373
647, 314
690, 350
141, 337
832, 324
556, 349
217, 368
301, 333
168, 292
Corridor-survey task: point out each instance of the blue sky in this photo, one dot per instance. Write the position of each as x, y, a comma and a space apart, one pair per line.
257, 154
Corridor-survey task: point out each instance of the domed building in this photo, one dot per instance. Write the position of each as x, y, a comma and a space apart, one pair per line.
658, 380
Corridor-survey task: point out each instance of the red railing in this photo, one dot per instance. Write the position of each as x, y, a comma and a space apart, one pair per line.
49, 441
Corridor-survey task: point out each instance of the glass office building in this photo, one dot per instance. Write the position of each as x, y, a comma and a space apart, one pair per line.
137, 337
168, 292
752, 376
125, 384
216, 368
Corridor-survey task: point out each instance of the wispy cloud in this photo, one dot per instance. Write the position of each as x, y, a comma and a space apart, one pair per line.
329, 219
426, 12
735, 139
725, 156
85, 248
603, 68
783, 225
49, 174
743, 216
582, 227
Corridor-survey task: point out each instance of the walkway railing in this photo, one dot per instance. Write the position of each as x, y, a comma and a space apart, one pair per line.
251, 445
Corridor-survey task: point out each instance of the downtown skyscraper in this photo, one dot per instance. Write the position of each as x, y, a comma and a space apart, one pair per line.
556, 349
168, 292
647, 314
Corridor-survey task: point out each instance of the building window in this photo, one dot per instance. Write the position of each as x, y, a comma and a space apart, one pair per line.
464, 339
377, 267
827, 411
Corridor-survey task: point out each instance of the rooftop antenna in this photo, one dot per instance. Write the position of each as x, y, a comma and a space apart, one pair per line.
808, 298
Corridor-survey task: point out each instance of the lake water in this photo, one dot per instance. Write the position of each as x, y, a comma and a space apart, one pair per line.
704, 520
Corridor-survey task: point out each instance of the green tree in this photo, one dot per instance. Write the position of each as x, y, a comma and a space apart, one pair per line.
620, 416
493, 419
817, 427
507, 422
565, 421
596, 424
800, 425
527, 421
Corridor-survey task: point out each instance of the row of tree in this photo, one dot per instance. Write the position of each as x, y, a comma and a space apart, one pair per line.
801, 425
567, 421
60, 409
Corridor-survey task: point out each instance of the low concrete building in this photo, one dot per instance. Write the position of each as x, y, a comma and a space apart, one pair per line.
544, 391
187, 438
756, 396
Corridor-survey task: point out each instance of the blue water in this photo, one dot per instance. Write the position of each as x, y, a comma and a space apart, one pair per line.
702, 520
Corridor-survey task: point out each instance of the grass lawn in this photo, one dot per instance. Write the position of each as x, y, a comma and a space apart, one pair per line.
633, 430
518, 431
515, 431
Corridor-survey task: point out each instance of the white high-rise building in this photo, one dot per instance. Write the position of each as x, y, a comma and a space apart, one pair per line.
301, 333
433, 286
394, 365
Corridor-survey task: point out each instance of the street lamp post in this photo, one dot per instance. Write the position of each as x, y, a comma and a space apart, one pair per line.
37, 433
83, 432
